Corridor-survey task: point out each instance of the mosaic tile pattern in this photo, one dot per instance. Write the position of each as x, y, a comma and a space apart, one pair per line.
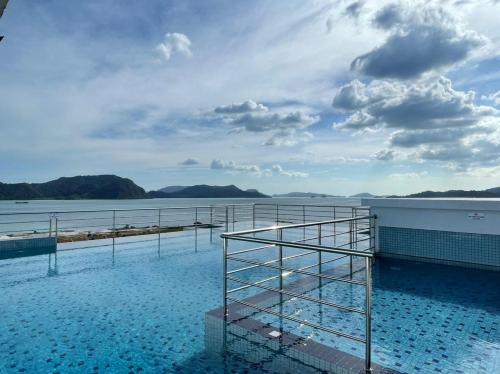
140, 314
26, 247
145, 313
459, 247
427, 318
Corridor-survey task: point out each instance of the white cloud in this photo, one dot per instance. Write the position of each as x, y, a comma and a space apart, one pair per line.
289, 138
233, 166
288, 173
494, 97
174, 43
255, 169
244, 107
407, 176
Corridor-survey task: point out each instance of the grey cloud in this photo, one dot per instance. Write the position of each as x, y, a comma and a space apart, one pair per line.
190, 162
354, 9
457, 153
385, 155
329, 25
468, 154
421, 40
388, 17
351, 96
409, 139
423, 105
256, 118
239, 108
429, 117
257, 122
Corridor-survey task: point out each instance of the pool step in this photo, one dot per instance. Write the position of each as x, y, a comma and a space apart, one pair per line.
285, 352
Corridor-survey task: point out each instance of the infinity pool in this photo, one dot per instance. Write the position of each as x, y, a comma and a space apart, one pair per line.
144, 312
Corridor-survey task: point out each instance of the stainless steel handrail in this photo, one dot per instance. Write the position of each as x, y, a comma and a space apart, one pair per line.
299, 245
298, 225
359, 246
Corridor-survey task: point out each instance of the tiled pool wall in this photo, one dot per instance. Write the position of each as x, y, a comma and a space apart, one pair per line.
27, 247
455, 248
461, 232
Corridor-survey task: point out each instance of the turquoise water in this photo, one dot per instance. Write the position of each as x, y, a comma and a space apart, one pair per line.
141, 311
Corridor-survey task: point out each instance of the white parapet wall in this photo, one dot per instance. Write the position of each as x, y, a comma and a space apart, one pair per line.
456, 231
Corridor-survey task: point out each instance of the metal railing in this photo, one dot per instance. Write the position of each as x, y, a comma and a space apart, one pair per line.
331, 241
84, 226
112, 228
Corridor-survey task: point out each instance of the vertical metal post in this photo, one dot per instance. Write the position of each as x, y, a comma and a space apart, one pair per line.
224, 287
233, 218
303, 221
355, 234
320, 279
277, 214
227, 219
196, 229
368, 312
373, 230
159, 232
350, 247
319, 252
334, 227
211, 223
114, 233
50, 235
280, 239
224, 290
57, 239
253, 216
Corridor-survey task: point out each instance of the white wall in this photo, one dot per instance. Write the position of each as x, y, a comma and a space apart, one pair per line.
438, 214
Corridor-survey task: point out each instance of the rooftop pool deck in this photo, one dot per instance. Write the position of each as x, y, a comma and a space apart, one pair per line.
144, 311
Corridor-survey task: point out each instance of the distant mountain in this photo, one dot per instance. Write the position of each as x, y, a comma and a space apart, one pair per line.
80, 187
364, 195
304, 194
169, 189
112, 187
489, 193
207, 191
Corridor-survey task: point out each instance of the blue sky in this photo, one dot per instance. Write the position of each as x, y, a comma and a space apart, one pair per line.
338, 97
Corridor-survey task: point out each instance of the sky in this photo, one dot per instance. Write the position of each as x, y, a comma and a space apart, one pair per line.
337, 97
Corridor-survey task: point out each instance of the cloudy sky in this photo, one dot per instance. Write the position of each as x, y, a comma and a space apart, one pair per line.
337, 97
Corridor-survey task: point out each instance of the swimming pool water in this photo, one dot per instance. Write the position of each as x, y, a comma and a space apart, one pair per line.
145, 313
